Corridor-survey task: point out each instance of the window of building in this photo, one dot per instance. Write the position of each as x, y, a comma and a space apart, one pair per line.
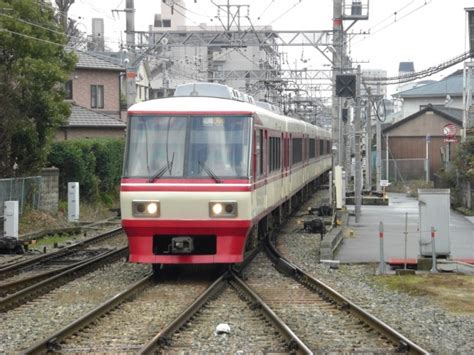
275, 153
166, 23
68, 89
97, 96
297, 150
312, 148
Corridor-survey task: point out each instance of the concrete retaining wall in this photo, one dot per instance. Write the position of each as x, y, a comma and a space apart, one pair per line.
333, 239
49, 197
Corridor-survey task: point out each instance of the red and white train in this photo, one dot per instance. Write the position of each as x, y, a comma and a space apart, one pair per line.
203, 176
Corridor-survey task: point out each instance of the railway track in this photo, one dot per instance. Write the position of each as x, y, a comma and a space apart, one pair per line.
66, 255
267, 312
165, 308
32, 278
338, 325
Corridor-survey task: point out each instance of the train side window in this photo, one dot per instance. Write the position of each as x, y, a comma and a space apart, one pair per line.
321, 147
259, 151
297, 150
275, 153
312, 148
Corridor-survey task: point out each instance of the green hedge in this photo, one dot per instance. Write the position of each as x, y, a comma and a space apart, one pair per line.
95, 163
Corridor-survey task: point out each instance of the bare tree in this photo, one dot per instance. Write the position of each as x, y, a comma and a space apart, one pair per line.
63, 7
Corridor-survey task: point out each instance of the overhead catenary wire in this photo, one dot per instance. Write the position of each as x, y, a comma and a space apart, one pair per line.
285, 12
395, 21
420, 74
51, 29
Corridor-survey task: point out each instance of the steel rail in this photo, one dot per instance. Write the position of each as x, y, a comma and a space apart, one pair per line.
12, 286
47, 285
230, 277
164, 336
52, 343
45, 257
288, 268
294, 343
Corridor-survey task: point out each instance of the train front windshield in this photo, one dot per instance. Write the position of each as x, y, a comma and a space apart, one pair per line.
188, 147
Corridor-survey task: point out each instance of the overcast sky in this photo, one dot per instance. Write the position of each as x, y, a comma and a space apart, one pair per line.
426, 32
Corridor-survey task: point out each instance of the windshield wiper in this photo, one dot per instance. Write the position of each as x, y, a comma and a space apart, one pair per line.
159, 173
210, 172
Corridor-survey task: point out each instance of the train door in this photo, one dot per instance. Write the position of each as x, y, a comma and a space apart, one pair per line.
259, 198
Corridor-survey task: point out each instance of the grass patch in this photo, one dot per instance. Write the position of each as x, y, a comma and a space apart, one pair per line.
50, 240
38, 220
451, 291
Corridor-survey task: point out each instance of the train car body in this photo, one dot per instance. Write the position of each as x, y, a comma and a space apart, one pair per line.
202, 173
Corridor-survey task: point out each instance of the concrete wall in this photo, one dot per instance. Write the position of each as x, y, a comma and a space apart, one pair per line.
49, 196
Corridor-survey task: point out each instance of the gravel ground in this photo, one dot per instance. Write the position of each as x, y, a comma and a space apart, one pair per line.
433, 328
19, 327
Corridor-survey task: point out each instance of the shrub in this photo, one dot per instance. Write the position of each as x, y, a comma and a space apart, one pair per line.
94, 163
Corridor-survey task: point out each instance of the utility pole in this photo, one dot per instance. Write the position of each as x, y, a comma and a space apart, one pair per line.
130, 45
337, 56
232, 17
368, 147
130, 24
378, 161
357, 138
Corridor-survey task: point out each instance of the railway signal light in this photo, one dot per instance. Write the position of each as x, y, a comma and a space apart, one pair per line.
346, 85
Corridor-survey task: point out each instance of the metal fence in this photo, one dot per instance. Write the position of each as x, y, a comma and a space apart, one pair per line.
404, 169
25, 190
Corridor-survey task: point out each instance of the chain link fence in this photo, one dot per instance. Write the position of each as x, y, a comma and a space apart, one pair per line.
26, 191
404, 169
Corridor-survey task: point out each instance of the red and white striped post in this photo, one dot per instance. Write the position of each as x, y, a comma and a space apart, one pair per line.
382, 259
433, 250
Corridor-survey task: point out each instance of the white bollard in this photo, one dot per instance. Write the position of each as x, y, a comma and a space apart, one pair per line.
11, 212
382, 258
73, 201
434, 269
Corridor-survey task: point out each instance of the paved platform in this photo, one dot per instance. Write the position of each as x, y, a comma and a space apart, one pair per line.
361, 242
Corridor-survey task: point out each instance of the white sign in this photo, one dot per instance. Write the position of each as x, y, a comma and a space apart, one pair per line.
384, 183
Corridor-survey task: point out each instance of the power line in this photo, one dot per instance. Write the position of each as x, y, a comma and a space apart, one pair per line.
421, 74
426, 2
31, 37
286, 11
52, 30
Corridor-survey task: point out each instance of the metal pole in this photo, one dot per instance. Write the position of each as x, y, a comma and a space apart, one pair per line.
382, 258
387, 176
467, 99
336, 69
433, 251
130, 24
406, 240
368, 148
378, 162
427, 158
358, 170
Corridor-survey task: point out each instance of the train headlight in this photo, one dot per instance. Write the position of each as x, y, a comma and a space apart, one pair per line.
222, 209
146, 208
